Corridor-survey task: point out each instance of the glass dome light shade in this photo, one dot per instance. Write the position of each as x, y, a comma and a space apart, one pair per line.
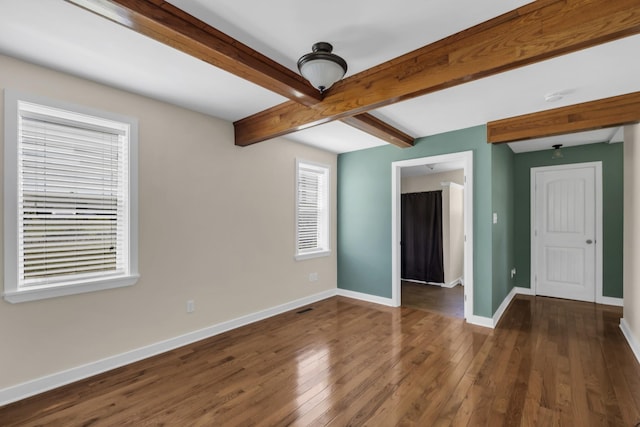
321, 67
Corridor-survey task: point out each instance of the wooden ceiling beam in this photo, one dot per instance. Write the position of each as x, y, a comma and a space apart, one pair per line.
603, 113
169, 25
533, 33
376, 127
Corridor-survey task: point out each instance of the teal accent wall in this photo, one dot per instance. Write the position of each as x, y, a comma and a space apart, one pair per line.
364, 213
611, 156
502, 200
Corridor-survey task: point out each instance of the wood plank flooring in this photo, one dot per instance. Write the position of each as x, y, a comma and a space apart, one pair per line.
447, 301
348, 363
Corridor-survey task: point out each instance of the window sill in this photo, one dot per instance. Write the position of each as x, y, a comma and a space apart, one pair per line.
310, 255
72, 289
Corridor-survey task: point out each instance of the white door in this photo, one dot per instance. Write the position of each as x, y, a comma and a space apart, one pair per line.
564, 231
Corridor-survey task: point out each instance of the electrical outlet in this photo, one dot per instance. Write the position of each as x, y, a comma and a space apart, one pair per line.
191, 306
313, 277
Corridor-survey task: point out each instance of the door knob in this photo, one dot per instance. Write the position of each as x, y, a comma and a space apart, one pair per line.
589, 241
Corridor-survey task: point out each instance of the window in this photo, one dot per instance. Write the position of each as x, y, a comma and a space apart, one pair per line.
70, 199
312, 210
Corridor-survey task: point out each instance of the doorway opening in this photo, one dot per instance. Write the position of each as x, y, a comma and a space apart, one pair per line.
432, 238
439, 288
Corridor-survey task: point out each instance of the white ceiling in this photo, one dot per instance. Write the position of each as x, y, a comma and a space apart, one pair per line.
610, 135
364, 32
429, 169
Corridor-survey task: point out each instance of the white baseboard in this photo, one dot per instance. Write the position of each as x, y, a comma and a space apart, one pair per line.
422, 282
365, 297
528, 291
523, 291
507, 300
491, 322
619, 302
503, 306
452, 283
633, 342
49, 382
487, 322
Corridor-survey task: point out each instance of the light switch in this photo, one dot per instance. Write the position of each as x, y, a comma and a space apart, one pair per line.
495, 217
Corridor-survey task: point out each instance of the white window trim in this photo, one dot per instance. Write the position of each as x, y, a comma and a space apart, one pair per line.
11, 291
325, 251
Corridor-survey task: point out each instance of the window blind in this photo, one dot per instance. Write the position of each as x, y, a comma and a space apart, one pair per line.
312, 195
72, 200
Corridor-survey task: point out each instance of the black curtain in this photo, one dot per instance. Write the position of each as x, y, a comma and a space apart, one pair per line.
422, 236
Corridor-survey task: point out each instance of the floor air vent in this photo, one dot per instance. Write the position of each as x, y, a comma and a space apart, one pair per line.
304, 310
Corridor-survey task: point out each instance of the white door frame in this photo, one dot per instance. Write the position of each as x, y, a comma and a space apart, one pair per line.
599, 298
396, 181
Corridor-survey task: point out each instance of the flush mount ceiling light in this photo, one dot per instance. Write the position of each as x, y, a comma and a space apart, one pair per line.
321, 67
557, 154
553, 97
557, 96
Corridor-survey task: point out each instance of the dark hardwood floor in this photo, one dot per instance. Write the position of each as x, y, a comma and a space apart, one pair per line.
549, 362
447, 301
